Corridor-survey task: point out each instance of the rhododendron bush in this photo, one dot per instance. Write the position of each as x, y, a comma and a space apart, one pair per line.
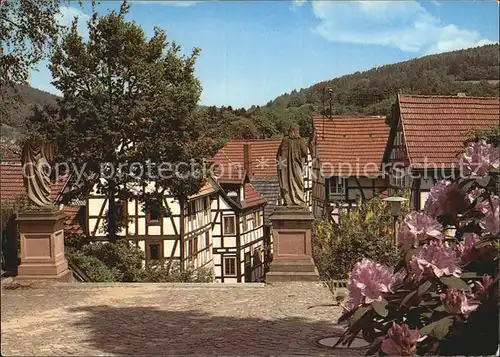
442, 296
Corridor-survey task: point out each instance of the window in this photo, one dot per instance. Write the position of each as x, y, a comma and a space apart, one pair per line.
195, 245
121, 212
230, 266
154, 212
337, 186
247, 219
191, 209
229, 225
257, 220
189, 248
207, 239
154, 251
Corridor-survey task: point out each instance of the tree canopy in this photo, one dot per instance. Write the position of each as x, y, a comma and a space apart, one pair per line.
128, 112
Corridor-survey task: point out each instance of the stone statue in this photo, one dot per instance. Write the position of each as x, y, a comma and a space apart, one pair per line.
291, 157
37, 158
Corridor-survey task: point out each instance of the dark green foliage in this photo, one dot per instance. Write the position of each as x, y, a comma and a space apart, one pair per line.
130, 102
163, 272
365, 232
474, 71
118, 261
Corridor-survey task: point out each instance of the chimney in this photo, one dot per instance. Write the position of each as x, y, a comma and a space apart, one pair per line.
461, 94
247, 155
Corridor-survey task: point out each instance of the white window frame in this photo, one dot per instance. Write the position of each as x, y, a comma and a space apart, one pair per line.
235, 267
224, 224
339, 182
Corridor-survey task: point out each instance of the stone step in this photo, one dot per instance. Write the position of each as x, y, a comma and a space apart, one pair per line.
274, 277
292, 266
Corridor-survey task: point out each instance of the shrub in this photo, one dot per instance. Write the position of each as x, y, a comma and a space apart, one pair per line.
442, 296
163, 272
365, 232
122, 260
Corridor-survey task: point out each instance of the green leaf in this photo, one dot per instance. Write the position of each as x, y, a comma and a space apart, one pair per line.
483, 181
455, 283
380, 307
422, 289
408, 297
360, 312
440, 308
441, 326
470, 275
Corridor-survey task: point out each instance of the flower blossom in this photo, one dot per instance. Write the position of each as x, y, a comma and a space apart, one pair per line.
435, 258
480, 157
418, 227
486, 206
446, 197
465, 250
369, 280
400, 341
456, 302
491, 220
475, 193
482, 286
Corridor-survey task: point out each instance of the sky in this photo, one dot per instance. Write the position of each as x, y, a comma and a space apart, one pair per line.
254, 51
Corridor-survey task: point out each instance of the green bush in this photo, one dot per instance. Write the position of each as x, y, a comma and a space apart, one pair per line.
163, 272
365, 232
122, 260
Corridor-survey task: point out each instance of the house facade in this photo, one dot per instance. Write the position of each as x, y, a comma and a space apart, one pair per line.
427, 135
346, 151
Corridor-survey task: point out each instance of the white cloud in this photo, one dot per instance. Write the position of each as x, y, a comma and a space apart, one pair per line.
402, 24
179, 3
67, 14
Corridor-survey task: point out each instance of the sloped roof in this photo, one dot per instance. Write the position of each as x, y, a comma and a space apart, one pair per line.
270, 189
206, 189
351, 145
435, 127
11, 178
262, 155
252, 197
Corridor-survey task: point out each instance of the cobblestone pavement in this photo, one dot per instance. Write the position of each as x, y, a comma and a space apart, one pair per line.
155, 319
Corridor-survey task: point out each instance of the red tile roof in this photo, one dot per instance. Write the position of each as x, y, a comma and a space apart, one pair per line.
11, 178
206, 189
262, 155
252, 197
435, 127
351, 145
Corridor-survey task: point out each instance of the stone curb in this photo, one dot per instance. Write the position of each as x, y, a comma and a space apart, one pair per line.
166, 285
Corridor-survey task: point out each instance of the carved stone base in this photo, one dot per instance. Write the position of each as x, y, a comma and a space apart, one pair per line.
292, 229
42, 245
292, 253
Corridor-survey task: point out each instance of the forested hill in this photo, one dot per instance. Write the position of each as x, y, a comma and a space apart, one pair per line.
474, 71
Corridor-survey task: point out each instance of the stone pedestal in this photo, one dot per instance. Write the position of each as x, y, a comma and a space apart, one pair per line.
42, 245
292, 250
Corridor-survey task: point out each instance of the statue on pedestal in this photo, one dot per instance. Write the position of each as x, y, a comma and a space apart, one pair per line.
37, 159
291, 158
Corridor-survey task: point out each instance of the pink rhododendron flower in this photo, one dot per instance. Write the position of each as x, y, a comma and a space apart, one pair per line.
491, 221
482, 286
418, 227
446, 197
475, 193
480, 157
465, 250
456, 302
435, 258
400, 341
369, 280
486, 206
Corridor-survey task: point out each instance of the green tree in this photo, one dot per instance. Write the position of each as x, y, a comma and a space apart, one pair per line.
128, 107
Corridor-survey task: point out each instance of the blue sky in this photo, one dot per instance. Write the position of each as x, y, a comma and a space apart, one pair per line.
253, 51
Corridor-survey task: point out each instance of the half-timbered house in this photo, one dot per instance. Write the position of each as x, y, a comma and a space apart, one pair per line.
172, 229
427, 134
347, 152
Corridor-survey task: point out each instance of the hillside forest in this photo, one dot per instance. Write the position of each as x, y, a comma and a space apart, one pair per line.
474, 72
